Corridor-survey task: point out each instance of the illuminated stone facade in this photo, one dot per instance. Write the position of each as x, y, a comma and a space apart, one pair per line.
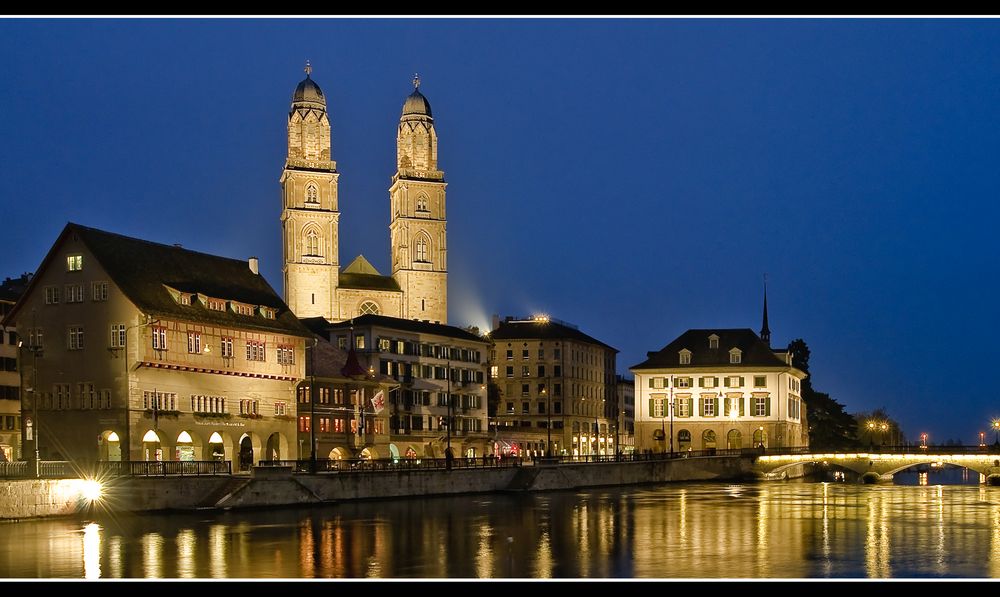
154, 352
315, 286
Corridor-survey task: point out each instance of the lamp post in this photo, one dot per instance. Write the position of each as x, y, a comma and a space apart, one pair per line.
883, 427
996, 429
923, 441
33, 428
871, 433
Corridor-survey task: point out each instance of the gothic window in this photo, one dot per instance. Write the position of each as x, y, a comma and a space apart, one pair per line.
312, 194
312, 243
368, 308
422, 249
422, 203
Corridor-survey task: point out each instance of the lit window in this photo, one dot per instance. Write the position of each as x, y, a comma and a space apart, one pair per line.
735, 356
312, 243
713, 341
227, 347
74, 263
422, 249
708, 407
760, 406
685, 357
159, 338
194, 342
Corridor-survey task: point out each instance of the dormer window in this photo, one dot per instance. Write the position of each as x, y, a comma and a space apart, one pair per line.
215, 304
185, 298
685, 357
713, 341
735, 356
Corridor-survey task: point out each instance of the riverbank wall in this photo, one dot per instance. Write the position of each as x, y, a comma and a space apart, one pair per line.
279, 487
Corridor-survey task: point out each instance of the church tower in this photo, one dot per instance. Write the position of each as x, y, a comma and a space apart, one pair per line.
309, 218
417, 224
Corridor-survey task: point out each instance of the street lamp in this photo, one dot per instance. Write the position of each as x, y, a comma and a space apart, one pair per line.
923, 441
996, 428
871, 433
32, 426
883, 428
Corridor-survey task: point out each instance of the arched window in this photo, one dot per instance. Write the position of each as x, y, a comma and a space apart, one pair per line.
312, 194
368, 308
422, 203
708, 439
759, 438
312, 243
422, 249
683, 439
734, 441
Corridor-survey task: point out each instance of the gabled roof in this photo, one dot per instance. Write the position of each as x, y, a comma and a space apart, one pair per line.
542, 330
362, 275
754, 351
408, 325
143, 270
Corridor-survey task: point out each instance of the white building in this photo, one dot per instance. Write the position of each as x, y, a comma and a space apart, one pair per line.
718, 388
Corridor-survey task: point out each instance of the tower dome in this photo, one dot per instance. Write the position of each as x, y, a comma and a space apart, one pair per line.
308, 93
416, 104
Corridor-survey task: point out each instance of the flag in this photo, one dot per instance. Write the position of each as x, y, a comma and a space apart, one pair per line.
378, 402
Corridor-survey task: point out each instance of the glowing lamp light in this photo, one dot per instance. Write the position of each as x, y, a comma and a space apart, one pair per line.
91, 490
540, 318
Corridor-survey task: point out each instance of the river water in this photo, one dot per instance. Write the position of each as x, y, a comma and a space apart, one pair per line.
690, 530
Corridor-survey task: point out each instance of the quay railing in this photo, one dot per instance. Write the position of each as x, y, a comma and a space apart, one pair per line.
59, 469
391, 464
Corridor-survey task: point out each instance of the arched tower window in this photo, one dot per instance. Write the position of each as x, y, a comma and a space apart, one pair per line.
368, 308
312, 194
421, 253
312, 243
422, 203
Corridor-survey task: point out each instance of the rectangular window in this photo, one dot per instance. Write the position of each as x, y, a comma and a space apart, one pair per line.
194, 342
342, 342
760, 406
359, 342
734, 358
383, 345
541, 353
510, 371
525, 372
657, 382
226, 347
541, 371
304, 395
117, 335
75, 338
159, 338
659, 402
51, 295
684, 407
286, 355
685, 358
541, 408
525, 390
683, 382
304, 424
759, 381
74, 293
256, 351
279, 409
557, 389
249, 407
99, 291
324, 425
708, 382
734, 381
510, 355
524, 353
74, 263
324, 395
525, 408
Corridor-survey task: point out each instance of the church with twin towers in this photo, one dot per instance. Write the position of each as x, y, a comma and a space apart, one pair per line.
315, 284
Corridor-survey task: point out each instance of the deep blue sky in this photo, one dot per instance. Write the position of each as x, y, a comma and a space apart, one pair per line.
633, 177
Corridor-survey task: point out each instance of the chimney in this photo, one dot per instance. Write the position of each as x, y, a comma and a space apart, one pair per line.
254, 265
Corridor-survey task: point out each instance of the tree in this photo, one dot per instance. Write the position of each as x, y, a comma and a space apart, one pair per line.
878, 428
830, 427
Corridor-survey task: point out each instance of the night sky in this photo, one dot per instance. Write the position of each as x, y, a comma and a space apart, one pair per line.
636, 178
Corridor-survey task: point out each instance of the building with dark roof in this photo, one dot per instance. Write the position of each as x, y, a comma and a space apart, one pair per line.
11, 290
719, 388
439, 373
156, 351
555, 389
315, 286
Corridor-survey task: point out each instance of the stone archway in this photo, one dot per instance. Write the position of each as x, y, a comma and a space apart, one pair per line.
368, 453
111, 447
277, 447
339, 454
248, 448
734, 440
152, 446
219, 448
683, 439
188, 447
708, 440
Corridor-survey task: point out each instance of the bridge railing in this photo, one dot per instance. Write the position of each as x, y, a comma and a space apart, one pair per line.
870, 449
391, 464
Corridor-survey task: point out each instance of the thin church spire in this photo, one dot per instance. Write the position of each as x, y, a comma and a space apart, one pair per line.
765, 331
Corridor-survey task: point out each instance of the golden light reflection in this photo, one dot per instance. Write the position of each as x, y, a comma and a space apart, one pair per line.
116, 553
543, 563
185, 554
152, 555
484, 553
763, 555
92, 551
995, 541
217, 551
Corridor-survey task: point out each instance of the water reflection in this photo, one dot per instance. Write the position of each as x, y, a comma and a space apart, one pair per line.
685, 531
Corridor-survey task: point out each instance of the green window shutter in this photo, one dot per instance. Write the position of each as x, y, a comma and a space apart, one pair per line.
666, 382
767, 406
715, 382
701, 382
651, 409
725, 381
725, 407
741, 406
716, 406
741, 382
651, 384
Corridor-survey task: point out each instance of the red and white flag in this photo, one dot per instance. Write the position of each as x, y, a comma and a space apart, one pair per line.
378, 402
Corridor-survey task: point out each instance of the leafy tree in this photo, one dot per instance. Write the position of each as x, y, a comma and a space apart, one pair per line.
871, 431
830, 427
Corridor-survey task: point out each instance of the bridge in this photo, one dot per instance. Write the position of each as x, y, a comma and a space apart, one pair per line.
882, 463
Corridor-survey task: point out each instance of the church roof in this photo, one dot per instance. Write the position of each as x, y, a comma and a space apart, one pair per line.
416, 105
308, 91
754, 351
144, 270
362, 275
